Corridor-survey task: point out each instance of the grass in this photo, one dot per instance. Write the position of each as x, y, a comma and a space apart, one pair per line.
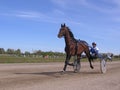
16, 59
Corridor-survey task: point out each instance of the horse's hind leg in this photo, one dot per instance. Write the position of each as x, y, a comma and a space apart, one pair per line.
89, 59
90, 63
78, 65
66, 62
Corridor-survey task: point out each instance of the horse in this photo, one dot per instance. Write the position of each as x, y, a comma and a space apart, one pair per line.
73, 47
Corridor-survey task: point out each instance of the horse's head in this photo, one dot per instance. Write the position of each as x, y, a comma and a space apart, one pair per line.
62, 31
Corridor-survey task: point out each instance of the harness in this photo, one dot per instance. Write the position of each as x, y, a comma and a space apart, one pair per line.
82, 42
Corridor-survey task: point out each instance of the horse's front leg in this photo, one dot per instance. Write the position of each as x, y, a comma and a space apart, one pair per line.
66, 62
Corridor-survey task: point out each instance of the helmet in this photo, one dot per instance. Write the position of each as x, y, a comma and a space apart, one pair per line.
93, 43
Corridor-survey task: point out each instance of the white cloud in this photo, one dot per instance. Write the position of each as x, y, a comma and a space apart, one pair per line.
117, 2
110, 6
55, 16
68, 4
61, 3
24, 14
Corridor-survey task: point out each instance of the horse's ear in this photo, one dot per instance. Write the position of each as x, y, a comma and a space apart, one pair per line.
61, 25
64, 25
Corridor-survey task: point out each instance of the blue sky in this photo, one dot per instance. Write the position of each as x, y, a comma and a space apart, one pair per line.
34, 24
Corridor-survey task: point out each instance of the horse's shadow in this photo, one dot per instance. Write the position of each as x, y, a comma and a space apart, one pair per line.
59, 74
56, 74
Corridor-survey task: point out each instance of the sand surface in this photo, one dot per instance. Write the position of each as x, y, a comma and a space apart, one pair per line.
48, 76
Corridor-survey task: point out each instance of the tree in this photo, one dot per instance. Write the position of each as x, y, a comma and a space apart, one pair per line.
18, 52
10, 51
38, 52
2, 51
27, 53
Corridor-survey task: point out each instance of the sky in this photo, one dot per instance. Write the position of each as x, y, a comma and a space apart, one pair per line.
34, 24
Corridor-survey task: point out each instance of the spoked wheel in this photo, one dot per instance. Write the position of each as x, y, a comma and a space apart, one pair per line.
103, 66
76, 66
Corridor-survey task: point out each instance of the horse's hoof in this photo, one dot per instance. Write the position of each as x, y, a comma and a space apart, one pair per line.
92, 67
75, 71
62, 72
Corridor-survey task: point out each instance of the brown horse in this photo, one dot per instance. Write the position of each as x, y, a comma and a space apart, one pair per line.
73, 47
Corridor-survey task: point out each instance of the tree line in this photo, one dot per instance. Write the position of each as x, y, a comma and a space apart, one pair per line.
36, 53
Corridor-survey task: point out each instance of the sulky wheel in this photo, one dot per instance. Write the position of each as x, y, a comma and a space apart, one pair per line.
103, 66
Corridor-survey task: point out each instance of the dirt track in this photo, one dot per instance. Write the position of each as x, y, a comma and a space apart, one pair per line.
47, 76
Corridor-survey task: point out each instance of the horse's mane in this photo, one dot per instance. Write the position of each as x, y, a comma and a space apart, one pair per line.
71, 34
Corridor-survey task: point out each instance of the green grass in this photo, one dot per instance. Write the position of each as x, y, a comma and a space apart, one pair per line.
15, 59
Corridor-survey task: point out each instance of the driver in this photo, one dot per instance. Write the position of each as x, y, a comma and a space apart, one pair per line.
94, 50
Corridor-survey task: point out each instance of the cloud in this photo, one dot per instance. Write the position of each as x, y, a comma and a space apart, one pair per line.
117, 2
61, 3
68, 4
110, 8
55, 16
27, 14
